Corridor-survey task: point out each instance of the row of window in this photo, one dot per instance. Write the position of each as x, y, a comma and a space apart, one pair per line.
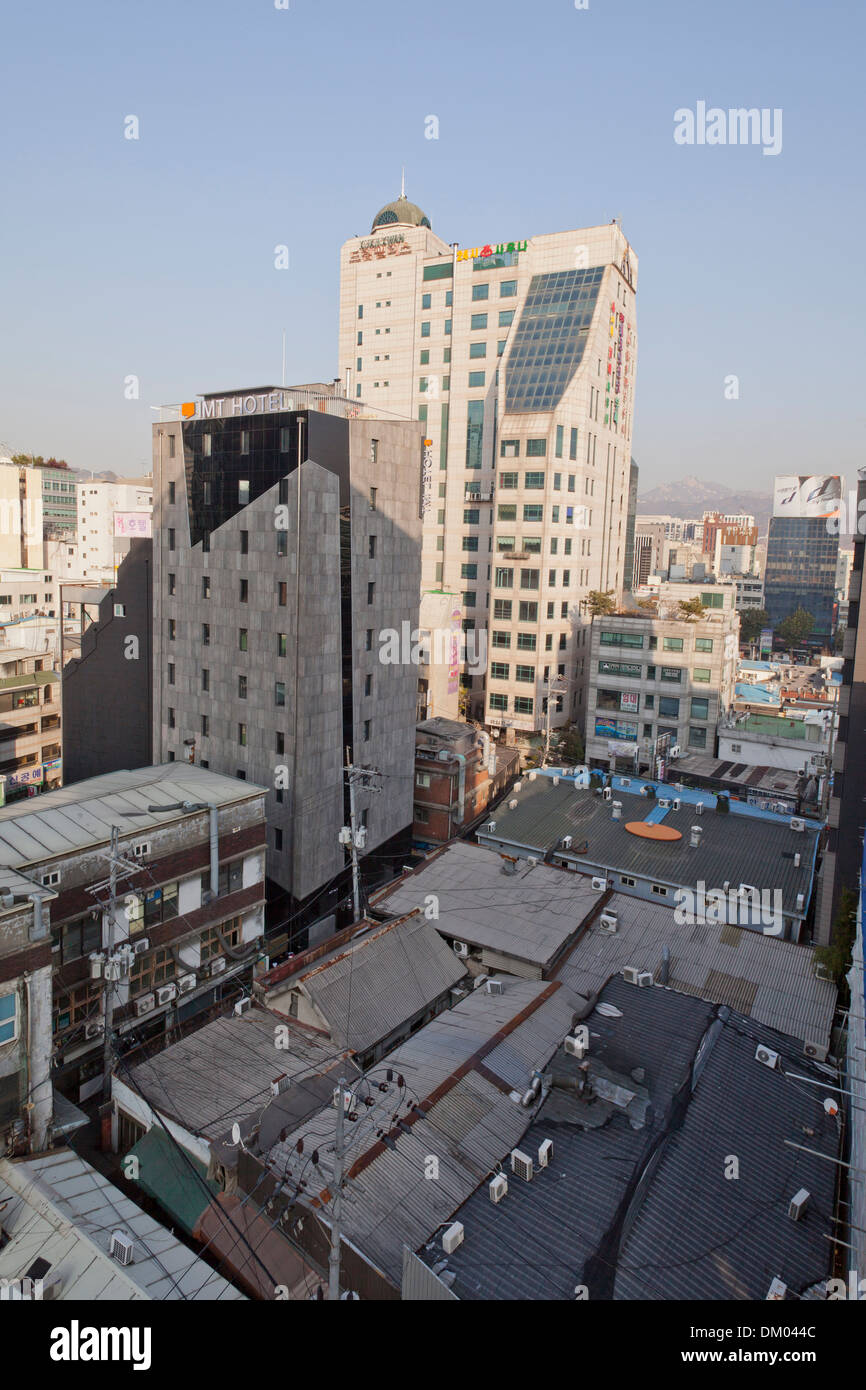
521, 704
636, 639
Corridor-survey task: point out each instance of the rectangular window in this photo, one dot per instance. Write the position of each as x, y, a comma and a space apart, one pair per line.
242, 639
533, 511
244, 591
621, 639
477, 323
509, 448
536, 448
172, 493
471, 516
171, 673
205, 634
523, 704
280, 693
672, 644
659, 891
172, 585
507, 289
242, 735
476, 378
500, 670
371, 591
697, 738
443, 271
526, 641
527, 611
205, 679
533, 481
560, 432
508, 480
703, 644
701, 674
171, 446
468, 571
498, 638
713, 600
497, 701
671, 674
425, 329
282, 593
529, 579
524, 673
700, 708
470, 542
205, 586
502, 610
504, 578
426, 301
245, 542
245, 441
480, 292
507, 512
669, 708
205, 726
474, 433
477, 349
242, 687
506, 317
171, 538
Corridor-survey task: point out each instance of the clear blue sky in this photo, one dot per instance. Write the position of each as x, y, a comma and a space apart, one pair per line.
261, 126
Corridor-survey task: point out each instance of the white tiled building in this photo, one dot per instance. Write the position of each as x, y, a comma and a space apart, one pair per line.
519, 356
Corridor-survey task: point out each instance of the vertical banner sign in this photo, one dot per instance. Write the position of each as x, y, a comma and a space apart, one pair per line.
454, 654
426, 479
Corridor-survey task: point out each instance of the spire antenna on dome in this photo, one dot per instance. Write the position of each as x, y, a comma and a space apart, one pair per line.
403, 183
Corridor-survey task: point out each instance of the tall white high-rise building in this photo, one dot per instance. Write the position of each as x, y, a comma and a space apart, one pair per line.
519, 357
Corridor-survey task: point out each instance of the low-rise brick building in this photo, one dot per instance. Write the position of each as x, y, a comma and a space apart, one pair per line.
459, 770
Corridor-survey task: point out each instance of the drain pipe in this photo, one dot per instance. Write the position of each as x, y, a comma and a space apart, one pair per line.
461, 786
214, 851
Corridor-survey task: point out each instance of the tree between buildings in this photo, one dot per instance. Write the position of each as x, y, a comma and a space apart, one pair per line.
795, 627
600, 603
569, 745
752, 623
836, 958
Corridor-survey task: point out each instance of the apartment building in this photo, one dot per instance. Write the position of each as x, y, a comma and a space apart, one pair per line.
111, 513
27, 593
518, 357
286, 572
188, 851
20, 515
31, 739
659, 682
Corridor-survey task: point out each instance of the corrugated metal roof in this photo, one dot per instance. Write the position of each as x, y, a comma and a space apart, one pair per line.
380, 981
62, 1210
649, 1212
223, 1072
389, 1199
717, 962
528, 915
75, 817
740, 846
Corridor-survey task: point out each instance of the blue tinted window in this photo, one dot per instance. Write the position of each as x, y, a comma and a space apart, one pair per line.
550, 337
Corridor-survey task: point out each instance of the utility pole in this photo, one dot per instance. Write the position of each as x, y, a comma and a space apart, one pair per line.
353, 836
557, 686
107, 1004
334, 1253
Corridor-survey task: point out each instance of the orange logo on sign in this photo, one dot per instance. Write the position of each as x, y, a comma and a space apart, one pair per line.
187, 409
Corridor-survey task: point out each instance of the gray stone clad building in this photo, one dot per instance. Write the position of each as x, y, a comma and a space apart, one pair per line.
287, 538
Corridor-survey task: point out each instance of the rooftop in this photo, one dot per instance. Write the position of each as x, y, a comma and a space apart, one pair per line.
529, 915
771, 981
636, 1202
456, 1101
377, 981
59, 1210
78, 816
223, 1072
747, 845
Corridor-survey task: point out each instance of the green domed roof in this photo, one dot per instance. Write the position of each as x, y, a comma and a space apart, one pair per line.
400, 213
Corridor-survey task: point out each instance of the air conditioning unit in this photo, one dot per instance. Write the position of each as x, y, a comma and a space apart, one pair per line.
121, 1248
545, 1153
497, 1187
452, 1237
797, 823
645, 979
625, 781
609, 922
243, 1006
567, 842
92, 1030
166, 993
555, 781
521, 1164
767, 1057
699, 809
676, 803
495, 987
518, 786
575, 1047
185, 983
532, 861
776, 1292
95, 965
145, 1005
512, 805
139, 947
630, 974
217, 965
664, 801
798, 1204
460, 948
800, 902
606, 794
491, 826
599, 884
817, 1051
347, 1099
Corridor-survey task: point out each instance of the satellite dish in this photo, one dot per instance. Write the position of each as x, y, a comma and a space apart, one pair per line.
236, 1133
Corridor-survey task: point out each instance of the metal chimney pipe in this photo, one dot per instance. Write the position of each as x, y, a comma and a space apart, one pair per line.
666, 965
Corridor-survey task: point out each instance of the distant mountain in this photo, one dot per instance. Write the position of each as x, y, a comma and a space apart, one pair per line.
691, 497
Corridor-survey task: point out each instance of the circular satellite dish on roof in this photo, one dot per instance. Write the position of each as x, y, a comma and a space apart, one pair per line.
236, 1133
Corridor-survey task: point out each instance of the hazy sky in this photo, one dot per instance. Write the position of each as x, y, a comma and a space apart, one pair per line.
262, 126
